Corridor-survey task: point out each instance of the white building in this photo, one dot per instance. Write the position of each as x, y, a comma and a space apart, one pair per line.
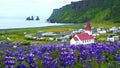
83, 38
101, 30
115, 29
113, 38
49, 34
96, 34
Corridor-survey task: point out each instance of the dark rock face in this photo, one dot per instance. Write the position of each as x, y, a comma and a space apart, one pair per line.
84, 4
79, 5
28, 18
31, 18
37, 18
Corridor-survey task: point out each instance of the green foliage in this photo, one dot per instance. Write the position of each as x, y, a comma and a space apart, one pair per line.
115, 13
101, 38
102, 11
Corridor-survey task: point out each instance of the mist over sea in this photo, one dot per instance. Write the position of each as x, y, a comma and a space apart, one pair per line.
12, 23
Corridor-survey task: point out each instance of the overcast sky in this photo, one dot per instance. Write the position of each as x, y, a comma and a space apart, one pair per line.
23, 8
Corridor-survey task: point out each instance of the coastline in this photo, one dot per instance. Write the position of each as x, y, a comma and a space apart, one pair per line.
37, 27
7, 24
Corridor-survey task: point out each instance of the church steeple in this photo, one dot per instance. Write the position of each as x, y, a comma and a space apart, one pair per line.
88, 29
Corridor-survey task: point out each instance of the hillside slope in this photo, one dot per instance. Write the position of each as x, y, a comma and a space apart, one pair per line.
97, 11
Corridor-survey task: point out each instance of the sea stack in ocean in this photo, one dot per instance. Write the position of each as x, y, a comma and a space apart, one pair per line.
31, 18
37, 18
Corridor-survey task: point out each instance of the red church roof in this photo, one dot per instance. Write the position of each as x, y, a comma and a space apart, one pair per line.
85, 36
75, 38
88, 27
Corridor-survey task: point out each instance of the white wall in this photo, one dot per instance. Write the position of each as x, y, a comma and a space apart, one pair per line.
73, 42
88, 41
110, 39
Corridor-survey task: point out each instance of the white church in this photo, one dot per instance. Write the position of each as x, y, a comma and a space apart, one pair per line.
83, 38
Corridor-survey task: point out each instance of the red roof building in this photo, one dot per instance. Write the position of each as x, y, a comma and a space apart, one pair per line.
83, 38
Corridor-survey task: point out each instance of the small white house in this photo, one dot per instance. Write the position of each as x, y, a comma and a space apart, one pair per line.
50, 39
14, 46
95, 34
49, 34
83, 38
101, 30
3, 42
113, 38
114, 29
40, 33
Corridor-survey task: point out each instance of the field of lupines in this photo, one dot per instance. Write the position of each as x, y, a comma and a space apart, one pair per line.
61, 55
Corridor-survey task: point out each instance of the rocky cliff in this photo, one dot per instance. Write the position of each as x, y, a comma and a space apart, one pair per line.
85, 10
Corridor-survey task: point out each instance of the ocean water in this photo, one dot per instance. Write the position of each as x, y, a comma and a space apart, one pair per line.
21, 23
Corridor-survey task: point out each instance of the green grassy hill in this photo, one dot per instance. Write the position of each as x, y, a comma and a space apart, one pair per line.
96, 11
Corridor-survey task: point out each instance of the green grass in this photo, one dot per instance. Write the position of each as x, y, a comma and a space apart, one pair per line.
18, 34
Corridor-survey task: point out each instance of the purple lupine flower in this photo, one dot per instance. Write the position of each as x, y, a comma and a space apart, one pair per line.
84, 55
1, 54
47, 53
9, 62
9, 66
46, 64
48, 58
100, 59
20, 59
54, 64
21, 66
67, 57
31, 59
9, 58
117, 59
40, 57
